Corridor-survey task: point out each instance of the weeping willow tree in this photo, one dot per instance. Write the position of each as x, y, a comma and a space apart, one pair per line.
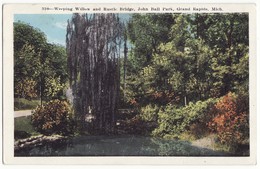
93, 46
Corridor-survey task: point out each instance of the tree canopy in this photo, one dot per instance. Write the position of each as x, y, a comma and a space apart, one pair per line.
191, 56
39, 67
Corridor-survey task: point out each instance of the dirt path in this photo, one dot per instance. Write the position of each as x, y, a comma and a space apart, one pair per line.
22, 113
206, 142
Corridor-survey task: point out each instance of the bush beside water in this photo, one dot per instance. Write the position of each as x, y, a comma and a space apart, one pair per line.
53, 117
174, 121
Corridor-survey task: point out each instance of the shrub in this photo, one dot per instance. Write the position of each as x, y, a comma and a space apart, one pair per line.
149, 113
26, 88
174, 121
169, 119
134, 125
232, 120
53, 117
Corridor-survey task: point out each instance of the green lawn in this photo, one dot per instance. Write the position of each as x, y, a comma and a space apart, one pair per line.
23, 128
24, 104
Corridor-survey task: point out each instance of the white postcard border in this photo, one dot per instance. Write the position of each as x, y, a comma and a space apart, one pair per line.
8, 120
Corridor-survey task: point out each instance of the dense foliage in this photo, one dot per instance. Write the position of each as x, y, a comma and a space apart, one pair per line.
231, 122
40, 69
158, 74
149, 113
184, 64
203, 56
173, 121
53, 117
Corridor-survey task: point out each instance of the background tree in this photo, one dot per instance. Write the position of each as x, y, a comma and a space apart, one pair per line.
35, 63
196, 56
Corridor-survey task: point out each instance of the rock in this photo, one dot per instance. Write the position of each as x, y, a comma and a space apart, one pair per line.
36, 140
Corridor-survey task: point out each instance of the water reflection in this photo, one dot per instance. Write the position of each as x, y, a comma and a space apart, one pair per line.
118, 146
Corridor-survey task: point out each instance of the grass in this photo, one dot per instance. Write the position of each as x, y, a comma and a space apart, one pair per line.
23, 128
24, 104
237, 150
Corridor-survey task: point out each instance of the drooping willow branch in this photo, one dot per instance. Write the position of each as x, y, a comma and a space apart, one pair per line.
93, 46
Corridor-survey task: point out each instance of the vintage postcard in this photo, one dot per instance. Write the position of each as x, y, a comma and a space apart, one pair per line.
129, 83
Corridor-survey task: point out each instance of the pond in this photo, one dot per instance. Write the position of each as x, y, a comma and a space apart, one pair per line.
118, 146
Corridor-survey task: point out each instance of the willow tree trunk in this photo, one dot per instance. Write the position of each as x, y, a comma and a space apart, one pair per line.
93, 48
